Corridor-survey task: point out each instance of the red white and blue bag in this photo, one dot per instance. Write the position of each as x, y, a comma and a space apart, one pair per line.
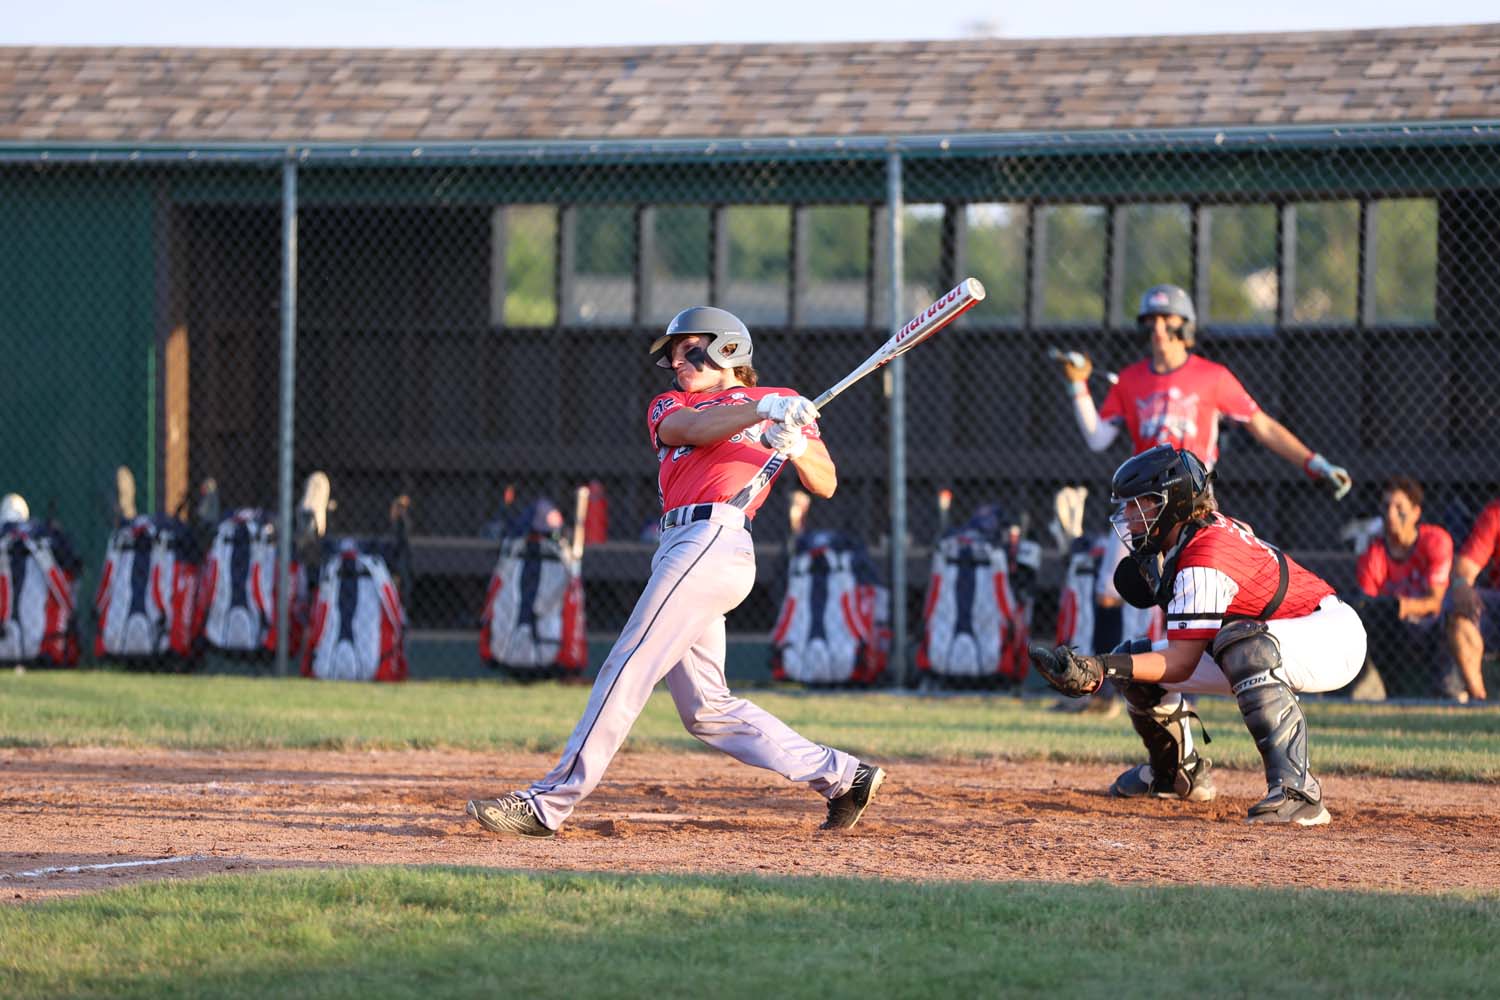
237, 589
38, 595
145, 606
358, 628
533, 624
833, 627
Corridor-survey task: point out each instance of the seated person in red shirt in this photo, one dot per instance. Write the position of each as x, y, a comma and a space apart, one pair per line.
1403, 576
1474, 611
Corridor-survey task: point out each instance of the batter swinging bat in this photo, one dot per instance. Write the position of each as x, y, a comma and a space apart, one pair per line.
1076, 360
943, 310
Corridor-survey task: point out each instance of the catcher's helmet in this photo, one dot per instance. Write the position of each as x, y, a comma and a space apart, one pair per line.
728, 339
1169, 300
1153, 493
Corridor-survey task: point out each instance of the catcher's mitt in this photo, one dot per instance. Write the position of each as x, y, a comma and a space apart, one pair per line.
1067, 670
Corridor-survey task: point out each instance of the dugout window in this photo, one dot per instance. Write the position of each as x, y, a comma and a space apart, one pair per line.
1402, 265
1322, 285
752, 262
523, 272
926, 249
600, 285
674, 255
994, 251
1070, 264
833, 264
1153, 246
1241, 282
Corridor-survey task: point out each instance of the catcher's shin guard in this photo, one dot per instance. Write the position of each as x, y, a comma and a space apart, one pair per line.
1160, 718
1250, 657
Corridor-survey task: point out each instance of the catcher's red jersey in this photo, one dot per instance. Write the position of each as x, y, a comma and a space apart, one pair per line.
1482, 547
712, 473
1181, 408
1424, 571
1225, 571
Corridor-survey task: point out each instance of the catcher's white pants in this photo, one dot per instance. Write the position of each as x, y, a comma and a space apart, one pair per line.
701, 570
1319, 652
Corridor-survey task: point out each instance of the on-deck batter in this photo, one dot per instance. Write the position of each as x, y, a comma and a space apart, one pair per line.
708, 431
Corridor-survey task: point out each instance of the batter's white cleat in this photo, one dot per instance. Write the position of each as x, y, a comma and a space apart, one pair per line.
508, 814
845, 811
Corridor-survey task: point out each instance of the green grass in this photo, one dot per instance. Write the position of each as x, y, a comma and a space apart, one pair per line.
96, 708
438, 932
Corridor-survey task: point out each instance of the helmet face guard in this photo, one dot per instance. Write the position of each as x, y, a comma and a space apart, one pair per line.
728, 344
1136, 521
1153, 493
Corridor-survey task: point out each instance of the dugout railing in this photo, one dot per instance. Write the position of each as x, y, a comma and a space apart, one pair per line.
464, 318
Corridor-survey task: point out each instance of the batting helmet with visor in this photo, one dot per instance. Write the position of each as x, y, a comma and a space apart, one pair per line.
1153, 493
1169, 300
728, 338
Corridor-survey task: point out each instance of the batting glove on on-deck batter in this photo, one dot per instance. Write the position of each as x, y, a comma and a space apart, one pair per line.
788, 441
1335, 477
794, 411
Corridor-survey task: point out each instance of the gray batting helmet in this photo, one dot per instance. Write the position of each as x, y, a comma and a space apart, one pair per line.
1169, 300
728, 339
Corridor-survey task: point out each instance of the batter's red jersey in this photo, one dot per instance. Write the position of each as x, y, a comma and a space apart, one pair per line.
1225, 571
1181, 408
712, 473
1424, 571
1482, 547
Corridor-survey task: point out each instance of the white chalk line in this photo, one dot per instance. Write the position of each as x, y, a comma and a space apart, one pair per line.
74, 869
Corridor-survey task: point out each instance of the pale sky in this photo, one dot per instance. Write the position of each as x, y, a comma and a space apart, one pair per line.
507, 24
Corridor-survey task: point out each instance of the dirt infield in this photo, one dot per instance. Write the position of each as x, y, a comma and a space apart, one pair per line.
197, 813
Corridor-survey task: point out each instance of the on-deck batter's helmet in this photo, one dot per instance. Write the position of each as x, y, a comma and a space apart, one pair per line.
1169, 300
1153, 493
728, 338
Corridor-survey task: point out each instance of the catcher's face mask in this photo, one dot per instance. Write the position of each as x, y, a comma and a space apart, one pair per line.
1135, 519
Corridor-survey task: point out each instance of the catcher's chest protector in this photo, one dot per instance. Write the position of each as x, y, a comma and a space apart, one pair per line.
533, 611
358, 630
37, 600
237, 592
832, 627
970, 610
147, 593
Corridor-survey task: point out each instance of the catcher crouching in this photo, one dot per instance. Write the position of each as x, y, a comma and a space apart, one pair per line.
1242, 619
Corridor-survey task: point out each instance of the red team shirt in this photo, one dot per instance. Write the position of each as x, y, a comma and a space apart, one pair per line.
1181, 408
1224, 570
712, 473
1424, 571
1482, 547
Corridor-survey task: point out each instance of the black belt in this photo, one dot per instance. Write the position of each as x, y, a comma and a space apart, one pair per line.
692, 512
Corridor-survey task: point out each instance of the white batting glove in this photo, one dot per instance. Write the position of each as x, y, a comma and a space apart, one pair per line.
1336, 476
788, 441
794, 411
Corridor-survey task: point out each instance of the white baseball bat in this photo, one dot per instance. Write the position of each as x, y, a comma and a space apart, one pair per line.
580, 519
1076, 360
944, 310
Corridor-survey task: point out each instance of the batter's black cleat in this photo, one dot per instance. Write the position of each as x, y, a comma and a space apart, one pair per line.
1289, 805
508, 814
845, 811
1140, 781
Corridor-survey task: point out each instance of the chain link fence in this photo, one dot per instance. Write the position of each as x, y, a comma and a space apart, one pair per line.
472, 324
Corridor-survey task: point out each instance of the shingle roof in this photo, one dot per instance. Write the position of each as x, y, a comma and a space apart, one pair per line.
912, 88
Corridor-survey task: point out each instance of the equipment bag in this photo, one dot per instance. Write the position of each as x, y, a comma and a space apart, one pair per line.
358, 630
971, 612
533, 617
1075, 612
237, 590
833, 625
38, 595
145, 605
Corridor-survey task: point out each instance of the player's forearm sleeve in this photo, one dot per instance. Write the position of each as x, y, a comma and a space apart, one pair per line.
1097, 434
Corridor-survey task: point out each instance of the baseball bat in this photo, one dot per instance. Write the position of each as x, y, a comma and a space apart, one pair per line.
580, 515
1076, 359
943, 310
944, 505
